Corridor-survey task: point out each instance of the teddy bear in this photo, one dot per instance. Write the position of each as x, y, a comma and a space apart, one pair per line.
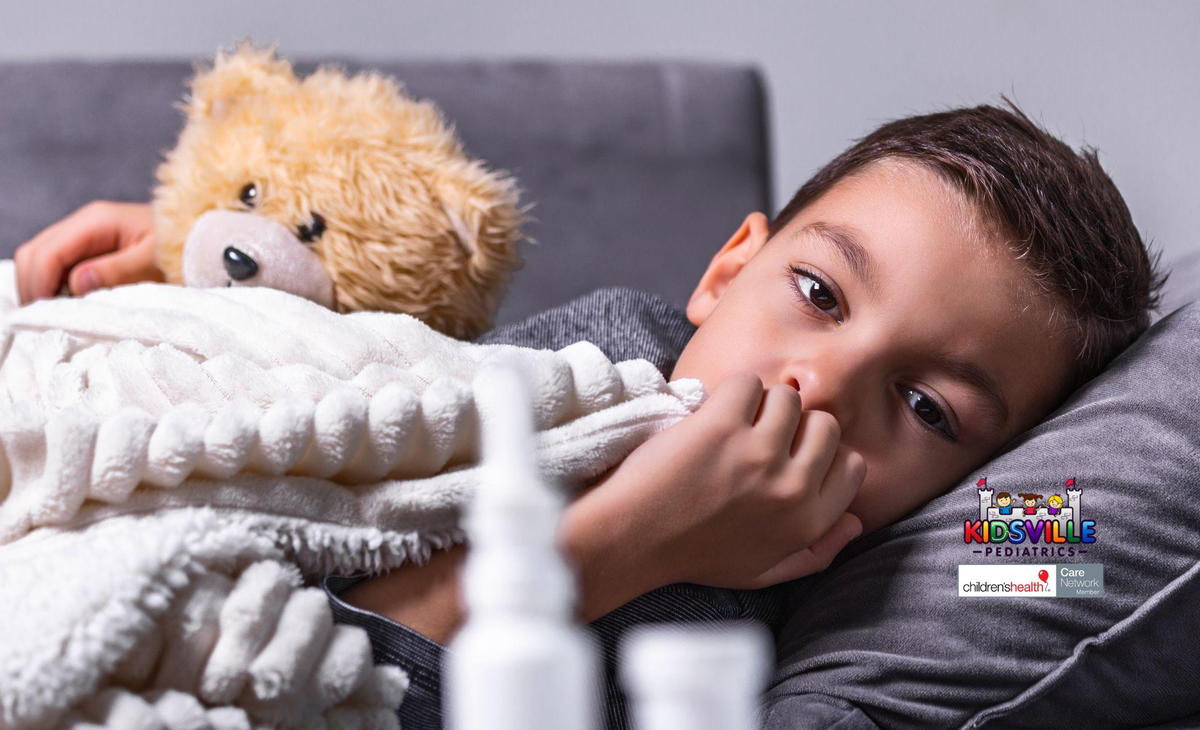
339, 189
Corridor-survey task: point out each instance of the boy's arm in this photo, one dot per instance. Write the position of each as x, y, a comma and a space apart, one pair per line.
428, 598
678, 509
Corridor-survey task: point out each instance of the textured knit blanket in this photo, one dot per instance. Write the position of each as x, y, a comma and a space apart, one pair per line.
177, 464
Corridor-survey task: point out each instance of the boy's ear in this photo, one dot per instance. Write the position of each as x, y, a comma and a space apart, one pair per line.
725, 265
246, 72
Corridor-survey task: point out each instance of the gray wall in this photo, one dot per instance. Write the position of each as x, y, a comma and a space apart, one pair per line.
1121, 76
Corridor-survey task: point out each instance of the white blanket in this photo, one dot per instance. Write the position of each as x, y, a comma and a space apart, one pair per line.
176, 464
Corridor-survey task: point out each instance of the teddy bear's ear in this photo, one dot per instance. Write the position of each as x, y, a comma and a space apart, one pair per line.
246, 71
481, 208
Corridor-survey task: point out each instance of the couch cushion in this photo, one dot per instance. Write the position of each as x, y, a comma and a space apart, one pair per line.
885, 631
637, 171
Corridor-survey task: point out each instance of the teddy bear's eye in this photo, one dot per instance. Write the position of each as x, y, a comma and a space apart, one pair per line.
313, 230
249, 195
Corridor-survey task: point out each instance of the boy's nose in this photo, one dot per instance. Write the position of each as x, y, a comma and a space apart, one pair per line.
827, 388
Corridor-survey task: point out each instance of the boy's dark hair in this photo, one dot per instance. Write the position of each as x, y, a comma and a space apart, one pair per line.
1002, 495
1061, 212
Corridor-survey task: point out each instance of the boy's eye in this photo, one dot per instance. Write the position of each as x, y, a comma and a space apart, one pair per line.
815, 291
927, 410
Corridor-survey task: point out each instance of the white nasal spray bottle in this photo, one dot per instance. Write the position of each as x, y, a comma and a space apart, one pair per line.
519, 662
699, 677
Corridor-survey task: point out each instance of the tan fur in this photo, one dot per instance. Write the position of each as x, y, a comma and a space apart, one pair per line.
414, 225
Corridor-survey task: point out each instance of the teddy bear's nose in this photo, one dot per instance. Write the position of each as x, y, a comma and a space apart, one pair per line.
239, 264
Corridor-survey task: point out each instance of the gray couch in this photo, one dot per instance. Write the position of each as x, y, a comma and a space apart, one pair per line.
639, 172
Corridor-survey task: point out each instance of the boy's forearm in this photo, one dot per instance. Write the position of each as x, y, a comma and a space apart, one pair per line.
425, 598
610, 553
596, 534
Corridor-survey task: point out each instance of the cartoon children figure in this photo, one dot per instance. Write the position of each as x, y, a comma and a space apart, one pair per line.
1054, 504
1004, 502
1031, 501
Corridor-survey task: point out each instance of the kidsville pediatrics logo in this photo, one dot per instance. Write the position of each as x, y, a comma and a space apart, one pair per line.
1029, 525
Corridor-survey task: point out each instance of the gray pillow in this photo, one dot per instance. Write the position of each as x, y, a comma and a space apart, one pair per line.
882, 638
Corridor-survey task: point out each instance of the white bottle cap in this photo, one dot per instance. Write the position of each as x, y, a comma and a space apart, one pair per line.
699, 676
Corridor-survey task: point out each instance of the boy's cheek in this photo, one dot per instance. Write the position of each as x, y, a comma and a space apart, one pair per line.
712, 363
696, 362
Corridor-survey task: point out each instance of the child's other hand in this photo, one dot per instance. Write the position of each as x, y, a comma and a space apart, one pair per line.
747, 492
100, 245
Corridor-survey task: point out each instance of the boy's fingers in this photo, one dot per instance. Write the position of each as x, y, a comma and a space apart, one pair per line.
739, 393
780, 415
838, 489
91, 230
27, 258
842, 481
124, 266
815, 446
815, 557
19, 258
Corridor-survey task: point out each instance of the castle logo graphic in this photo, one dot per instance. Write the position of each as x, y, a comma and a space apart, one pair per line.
1029, 524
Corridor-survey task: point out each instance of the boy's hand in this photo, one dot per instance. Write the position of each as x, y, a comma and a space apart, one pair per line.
747, 492
115, 242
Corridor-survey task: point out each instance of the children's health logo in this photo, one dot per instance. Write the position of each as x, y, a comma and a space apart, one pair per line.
1006, 581
1072, 580
1029, 524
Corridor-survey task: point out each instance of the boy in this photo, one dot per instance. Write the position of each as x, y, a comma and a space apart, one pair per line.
937, 289
1004, 502
928, 295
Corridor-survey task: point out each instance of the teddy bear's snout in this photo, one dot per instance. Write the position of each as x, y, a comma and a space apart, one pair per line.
228, 248
239, 264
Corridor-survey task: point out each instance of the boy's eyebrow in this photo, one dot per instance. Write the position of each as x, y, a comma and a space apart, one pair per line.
848, 242
977, 378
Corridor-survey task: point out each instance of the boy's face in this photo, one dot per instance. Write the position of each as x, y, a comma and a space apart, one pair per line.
926, 341
1003, 501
